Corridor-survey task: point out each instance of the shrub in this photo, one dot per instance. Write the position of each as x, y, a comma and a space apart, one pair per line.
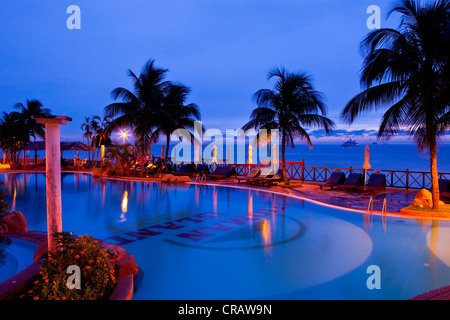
97, 272
4, 206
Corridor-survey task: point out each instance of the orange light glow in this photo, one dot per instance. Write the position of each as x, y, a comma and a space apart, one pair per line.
125, 202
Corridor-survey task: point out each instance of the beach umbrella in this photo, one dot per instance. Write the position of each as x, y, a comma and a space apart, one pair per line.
366, 165
275, 157
196, 158
250, 154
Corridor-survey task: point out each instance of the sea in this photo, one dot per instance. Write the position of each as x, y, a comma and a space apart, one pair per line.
381, 156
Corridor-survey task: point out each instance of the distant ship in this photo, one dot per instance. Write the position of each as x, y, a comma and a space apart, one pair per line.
350, 144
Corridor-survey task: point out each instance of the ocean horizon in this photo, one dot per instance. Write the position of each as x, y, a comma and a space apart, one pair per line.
382, 156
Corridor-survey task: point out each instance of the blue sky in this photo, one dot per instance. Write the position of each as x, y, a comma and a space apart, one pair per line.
221, 49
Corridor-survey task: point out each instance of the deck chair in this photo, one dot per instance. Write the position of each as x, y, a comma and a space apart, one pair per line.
272, 179
353, 182
376, 182
184, 169
222, 172
252, 174
265, 173
336, 178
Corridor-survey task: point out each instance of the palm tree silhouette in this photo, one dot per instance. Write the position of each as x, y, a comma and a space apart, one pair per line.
32, 108
408, 71
138, 109
175, 113
293, 104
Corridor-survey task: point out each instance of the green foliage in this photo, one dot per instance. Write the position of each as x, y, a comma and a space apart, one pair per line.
4, 206
97, 272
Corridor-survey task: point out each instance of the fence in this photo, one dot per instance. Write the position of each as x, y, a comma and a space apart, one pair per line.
395, 179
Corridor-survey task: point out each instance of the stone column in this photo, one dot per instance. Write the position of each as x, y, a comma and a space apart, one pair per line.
53, 174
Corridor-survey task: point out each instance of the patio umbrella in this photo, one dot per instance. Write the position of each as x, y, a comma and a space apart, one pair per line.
162, 152
250, 154
366, 165
196, 158
275, 157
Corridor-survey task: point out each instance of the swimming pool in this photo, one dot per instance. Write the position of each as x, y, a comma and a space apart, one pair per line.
211, 242
15, 256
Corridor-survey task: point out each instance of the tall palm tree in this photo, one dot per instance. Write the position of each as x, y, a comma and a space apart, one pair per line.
407, 71
87, 126
175, 113
101, 128
14, 135
33, 108
293, 104
138, 107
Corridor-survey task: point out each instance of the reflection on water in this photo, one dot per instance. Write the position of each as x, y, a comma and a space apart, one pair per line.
294, 238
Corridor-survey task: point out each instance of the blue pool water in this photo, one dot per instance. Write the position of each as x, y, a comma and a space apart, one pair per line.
210, 242
15, 255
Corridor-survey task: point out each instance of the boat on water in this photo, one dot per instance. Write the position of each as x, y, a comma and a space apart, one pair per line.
350, 144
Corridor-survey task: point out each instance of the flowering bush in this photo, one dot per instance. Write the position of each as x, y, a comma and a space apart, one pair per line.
96, 271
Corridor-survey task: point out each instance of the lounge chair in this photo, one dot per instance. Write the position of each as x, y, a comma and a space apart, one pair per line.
376, 182
265, 173
444, 188
184, 169
252, 174
336, 178
222, 172
272, 179
154, 168
353, 182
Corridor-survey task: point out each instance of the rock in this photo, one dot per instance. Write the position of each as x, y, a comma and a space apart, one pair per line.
173, 179
13, 222
184, 179
424, 199
166, 177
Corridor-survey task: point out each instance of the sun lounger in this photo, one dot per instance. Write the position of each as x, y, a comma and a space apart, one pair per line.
353, 182
184, 169
272, 179
444, 188
336, 178
222, 172
376, 182
252, 174
265, 173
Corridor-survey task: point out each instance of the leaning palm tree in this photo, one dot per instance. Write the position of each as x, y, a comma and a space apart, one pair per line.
407, 71
175, 113
87, 126
33, 108
292, 105
138, 107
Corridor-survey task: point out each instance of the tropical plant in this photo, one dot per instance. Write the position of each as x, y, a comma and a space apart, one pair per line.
138, 107
27, 111
101, 129
119, 158
14, 135
175, 113
407, 71
97, 272
292, 105
4, 206
87, 126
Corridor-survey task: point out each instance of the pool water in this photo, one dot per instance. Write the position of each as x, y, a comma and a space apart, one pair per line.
210, 242
15, 256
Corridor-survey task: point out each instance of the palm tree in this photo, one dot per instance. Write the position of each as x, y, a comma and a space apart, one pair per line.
100, 128
14, 135
175, 113
33, 108
87, 126
293, 104
138, 107
407, 70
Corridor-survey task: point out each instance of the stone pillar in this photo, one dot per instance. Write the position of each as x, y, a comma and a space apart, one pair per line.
53, 174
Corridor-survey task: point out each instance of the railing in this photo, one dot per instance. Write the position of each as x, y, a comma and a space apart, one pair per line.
298, 171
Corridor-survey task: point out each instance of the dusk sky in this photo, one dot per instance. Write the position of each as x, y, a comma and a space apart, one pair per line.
222, 50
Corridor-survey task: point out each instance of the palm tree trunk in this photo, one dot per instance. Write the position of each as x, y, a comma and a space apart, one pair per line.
283, 162
167, 150
434, 176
